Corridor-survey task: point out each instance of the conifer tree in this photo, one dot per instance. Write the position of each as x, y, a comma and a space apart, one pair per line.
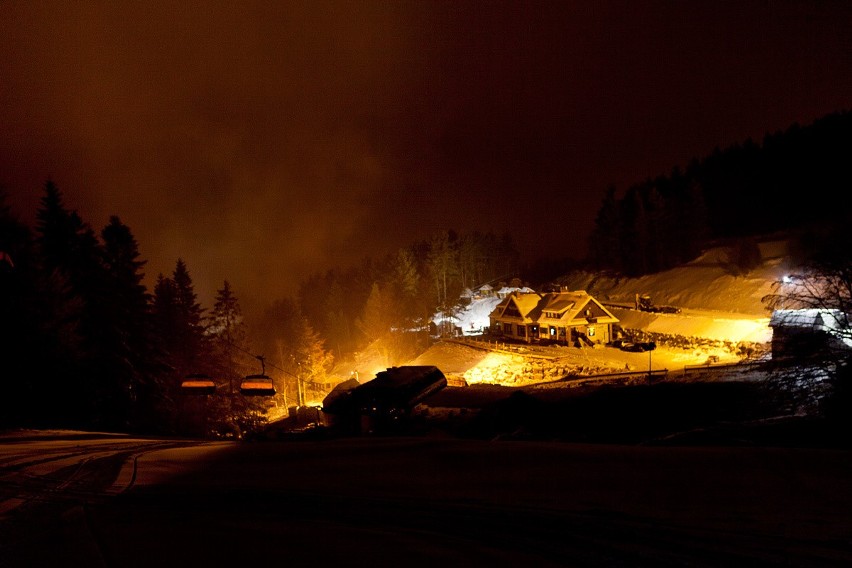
226, 318
337, 323
314, 362
693, 230
76, 286
177, 318
443, 264
406, 288
410, 304
229, 360
605, 239
28, 354
129, 337
507, 255
189, 348
377, 319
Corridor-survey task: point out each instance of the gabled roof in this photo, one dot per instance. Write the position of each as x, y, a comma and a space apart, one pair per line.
569, 306
526, 304
572, 306
832, 322
563, 301
813, 318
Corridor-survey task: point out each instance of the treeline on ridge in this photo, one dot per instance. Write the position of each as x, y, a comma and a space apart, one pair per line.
793, 181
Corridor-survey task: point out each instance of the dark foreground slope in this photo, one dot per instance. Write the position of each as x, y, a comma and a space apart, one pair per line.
733, 413
713, 409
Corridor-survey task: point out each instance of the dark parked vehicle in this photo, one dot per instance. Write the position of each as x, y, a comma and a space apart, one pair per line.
637, 347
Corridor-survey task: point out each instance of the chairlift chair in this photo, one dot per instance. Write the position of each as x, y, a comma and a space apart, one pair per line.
197, 384
257, 385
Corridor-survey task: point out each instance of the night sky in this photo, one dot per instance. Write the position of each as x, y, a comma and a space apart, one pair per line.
264, 141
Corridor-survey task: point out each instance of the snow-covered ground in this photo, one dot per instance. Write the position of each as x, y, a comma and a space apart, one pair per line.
715, 301
720, 312
423, 501
472, 319
710, 283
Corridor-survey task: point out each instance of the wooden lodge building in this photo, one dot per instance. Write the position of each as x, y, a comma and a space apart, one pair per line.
567, 318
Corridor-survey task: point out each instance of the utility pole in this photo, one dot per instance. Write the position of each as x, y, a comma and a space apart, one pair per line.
651, 346
300, 389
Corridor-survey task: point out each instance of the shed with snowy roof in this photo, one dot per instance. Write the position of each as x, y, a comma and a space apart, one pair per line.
808, 332
485, 290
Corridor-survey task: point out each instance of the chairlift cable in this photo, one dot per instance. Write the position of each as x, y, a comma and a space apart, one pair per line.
262, 360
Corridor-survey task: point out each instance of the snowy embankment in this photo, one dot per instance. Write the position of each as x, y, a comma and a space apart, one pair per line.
716, 326
708, 283
716, 302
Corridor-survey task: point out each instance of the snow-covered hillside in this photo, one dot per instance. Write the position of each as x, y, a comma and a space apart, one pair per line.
719, 310
473, 319
710, 282
716, 302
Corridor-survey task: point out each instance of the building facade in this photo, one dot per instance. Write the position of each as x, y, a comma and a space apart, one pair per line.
567, 318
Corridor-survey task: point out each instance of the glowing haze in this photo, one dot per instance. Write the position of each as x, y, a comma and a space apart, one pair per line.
263, 141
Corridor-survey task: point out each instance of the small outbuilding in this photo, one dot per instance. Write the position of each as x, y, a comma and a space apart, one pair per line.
808, 332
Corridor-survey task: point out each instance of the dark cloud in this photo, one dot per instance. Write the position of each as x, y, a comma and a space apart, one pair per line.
262, 141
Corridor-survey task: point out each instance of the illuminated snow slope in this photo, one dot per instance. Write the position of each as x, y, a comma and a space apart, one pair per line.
715, 302
709, 282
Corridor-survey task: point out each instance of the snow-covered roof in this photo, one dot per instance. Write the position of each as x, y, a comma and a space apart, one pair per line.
506, 290
833, 322
525, 302
563, 301
812, 318
569, 305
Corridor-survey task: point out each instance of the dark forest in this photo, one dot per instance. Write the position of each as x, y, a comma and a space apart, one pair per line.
86, 345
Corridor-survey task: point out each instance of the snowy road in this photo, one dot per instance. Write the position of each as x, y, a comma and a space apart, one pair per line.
426, 501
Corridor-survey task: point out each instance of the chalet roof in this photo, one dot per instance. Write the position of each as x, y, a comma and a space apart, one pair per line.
832, 322
569, 305
526, 302
563, 301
